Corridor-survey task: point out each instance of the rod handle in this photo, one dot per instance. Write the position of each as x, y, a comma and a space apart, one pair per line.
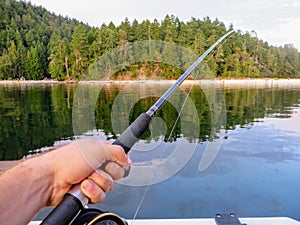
131, 135
68, 209
74, 201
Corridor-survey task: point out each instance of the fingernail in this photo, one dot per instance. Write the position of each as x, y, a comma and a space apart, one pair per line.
126, 171
129, 160
87, 184
109, 189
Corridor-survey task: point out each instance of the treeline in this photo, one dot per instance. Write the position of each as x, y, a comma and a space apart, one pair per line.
36, 44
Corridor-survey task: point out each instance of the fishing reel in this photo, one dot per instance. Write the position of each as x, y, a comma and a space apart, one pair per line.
90, 216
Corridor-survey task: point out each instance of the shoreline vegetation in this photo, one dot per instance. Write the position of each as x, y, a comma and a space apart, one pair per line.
264, 82
36, 44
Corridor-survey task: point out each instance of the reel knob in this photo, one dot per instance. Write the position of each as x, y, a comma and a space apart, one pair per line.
97, 217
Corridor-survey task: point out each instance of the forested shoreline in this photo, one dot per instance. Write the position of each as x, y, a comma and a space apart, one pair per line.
36, 44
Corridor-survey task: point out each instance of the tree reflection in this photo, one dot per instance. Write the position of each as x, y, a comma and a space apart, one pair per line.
35, 116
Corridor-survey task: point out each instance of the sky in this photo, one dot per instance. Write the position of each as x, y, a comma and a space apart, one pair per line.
274, 21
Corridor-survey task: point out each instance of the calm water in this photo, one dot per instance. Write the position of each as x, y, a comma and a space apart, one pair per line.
254, 173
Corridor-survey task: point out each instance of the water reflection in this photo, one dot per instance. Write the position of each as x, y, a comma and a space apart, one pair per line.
288, 123
32, 117
254, 174
35, 116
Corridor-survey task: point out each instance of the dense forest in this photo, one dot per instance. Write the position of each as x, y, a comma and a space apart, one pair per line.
36, 44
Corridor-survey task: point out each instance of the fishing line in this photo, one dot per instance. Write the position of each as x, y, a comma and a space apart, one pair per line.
198, 71
74, 201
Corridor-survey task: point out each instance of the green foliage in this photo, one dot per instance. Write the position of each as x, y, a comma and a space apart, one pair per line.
65, 48
58, 66
33, 69
79, 51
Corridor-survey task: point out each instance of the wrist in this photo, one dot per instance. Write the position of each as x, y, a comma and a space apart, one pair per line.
56, 185
69, 168
41, 174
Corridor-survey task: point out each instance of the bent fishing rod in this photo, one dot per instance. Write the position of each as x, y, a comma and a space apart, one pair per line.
75, 201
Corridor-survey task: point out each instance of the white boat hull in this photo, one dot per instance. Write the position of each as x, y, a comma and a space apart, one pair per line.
248, 221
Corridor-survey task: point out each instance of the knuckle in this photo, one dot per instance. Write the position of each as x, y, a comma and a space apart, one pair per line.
94, 192
119, 150
115, 170
98, 197
108, 185
102, 179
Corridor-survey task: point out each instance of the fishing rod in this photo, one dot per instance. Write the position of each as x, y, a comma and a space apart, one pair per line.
75, 201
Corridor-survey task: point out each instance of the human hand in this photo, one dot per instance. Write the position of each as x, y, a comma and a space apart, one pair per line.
80, 161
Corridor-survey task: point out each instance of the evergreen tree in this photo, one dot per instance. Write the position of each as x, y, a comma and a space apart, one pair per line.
8, 62
5, 66
13, 56
64, 48
95, 48
59, 65
32, 66
21, 60
43, 58
155, 30
168, 25
79, 51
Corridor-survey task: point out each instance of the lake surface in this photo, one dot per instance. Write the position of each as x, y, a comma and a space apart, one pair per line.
244, 159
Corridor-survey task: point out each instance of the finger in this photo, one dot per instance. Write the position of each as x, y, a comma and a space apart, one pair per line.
114, 170
92, 191
118, 155
103, 180
95, 153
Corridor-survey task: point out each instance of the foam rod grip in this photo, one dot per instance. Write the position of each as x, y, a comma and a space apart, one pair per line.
132, 134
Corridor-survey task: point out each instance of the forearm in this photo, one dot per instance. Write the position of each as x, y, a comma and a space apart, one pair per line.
43, 180
25, 189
